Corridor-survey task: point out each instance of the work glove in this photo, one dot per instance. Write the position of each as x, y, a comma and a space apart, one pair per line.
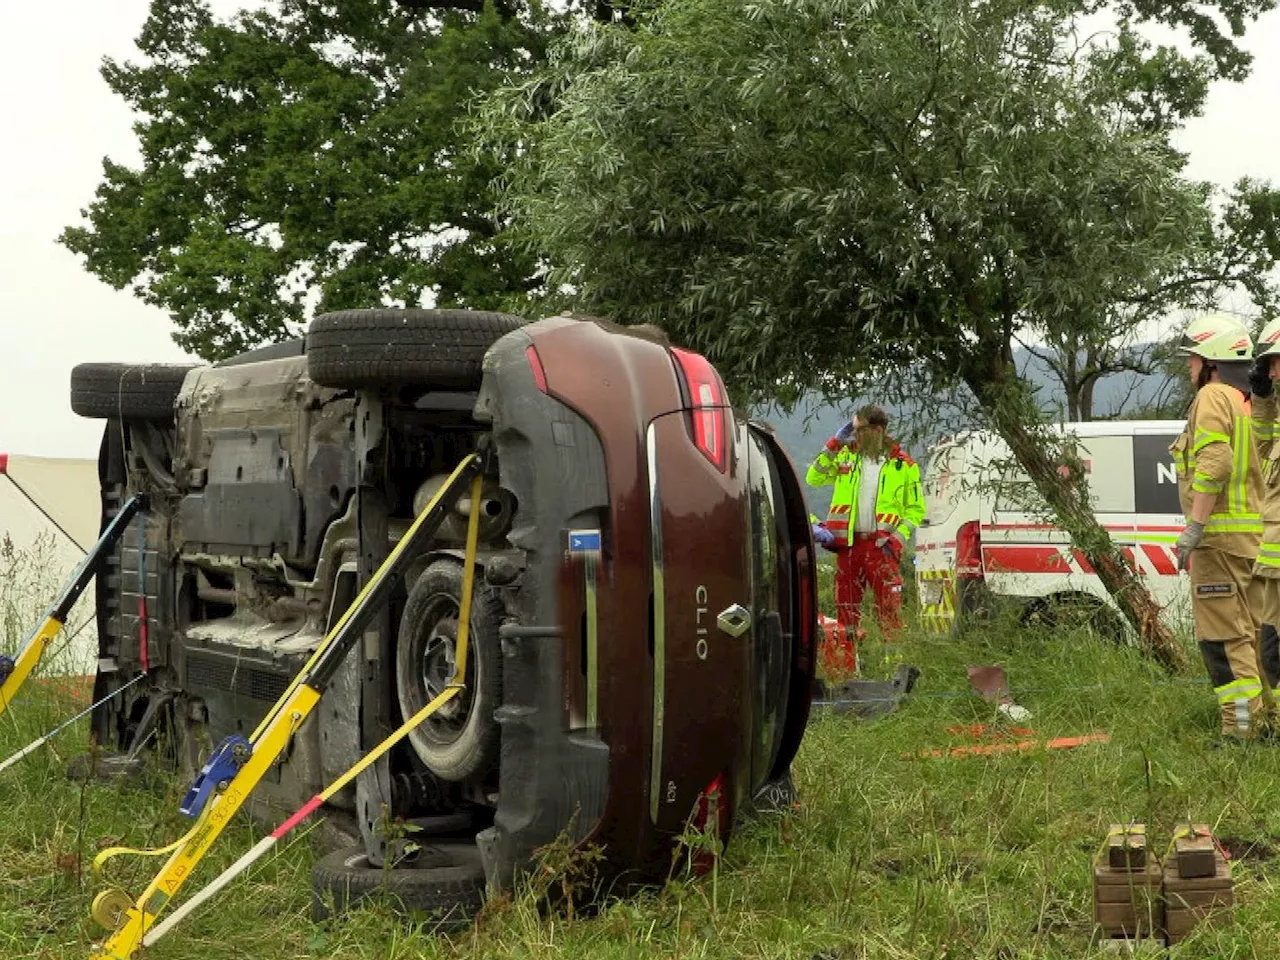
892, 543
1188, 540
846, 434
823, 536
1260, 377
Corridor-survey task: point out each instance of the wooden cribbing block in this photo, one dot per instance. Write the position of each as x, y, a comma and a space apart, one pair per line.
1127, 846
1195, 851
1127, 903
1192, 900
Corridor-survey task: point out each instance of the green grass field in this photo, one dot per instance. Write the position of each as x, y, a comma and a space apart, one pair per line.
888, 855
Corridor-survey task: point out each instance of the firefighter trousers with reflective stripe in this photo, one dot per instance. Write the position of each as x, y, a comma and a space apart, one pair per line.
1268, 606
1269, 654
1232, 667
1227, 625
1269, 600
863, 564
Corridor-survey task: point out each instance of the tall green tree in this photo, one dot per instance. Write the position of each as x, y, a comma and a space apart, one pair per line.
1236, 252
843, 196
306, 156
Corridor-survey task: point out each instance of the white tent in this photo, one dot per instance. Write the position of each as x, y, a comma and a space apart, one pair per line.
49, 519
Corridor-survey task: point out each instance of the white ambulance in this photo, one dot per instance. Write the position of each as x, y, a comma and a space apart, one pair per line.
986, 534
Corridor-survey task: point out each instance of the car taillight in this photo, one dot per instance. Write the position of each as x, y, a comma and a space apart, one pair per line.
711, 817
708, 423
535, 362
969, 550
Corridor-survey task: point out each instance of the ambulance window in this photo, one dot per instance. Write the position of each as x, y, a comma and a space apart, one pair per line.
1109, 462
942, 483
1015, 493
1155, 481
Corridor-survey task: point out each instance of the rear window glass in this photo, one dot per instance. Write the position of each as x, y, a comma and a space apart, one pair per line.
772, 614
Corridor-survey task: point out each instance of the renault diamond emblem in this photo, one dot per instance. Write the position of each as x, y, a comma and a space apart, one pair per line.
734, 621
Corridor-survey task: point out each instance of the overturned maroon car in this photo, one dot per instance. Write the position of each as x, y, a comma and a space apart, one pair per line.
643, 625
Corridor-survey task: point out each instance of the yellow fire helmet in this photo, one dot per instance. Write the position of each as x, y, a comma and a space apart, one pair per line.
1269, 340
1217, 336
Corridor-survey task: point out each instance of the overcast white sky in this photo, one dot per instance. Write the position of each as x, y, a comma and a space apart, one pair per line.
60, 120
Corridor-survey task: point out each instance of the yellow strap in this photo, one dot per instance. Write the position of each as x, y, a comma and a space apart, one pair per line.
1132, 829
337, 627
110, 852
458, 682
1135, 829
1179, 834
283, 723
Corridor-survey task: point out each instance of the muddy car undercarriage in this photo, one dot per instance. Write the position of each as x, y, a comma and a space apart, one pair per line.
263, 487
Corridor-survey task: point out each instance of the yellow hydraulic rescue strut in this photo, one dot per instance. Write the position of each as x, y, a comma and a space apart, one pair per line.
455, 686
14, 672
236, 766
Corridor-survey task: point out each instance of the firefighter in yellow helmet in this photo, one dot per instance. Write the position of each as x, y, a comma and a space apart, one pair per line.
1220, 488
1266, 428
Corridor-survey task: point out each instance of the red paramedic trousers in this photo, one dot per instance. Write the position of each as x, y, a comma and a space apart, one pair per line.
863, 564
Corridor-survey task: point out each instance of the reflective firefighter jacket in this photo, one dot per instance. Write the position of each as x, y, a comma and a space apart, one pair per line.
1266, 431
1216, 453
899, 500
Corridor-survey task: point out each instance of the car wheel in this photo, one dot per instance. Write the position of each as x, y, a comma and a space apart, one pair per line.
460, 740
446, 880
102, 391
442, 349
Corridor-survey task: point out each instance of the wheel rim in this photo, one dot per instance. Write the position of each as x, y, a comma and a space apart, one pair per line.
432, 663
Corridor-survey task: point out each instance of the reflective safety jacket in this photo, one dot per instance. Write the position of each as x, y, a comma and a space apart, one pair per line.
1216, 453
1266, 430
899, 500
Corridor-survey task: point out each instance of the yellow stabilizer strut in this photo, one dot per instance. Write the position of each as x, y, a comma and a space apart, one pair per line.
268, 743
324, 646
108, 909
215, 816
387, 564
27, 660
56, 617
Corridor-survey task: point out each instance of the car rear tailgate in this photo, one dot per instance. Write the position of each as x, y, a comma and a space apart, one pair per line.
702, 602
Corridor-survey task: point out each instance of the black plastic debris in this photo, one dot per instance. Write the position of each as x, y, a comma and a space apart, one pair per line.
866, 698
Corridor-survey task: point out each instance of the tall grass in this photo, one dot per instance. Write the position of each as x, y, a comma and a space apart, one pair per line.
888, 854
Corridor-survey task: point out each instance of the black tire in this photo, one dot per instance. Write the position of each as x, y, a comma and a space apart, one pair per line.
441, 349
102, 391
461, 740
450, 888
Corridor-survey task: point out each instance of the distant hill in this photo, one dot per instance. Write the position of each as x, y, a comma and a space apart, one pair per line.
803, 432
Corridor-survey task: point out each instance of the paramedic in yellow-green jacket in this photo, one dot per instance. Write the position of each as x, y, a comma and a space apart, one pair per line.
876, 505
1220, 489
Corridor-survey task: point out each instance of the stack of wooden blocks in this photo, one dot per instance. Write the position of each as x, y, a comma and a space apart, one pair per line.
1197, 883
1126, 885
1135, 896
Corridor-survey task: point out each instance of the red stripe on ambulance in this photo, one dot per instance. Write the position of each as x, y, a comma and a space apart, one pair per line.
998, 559
1160, 559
